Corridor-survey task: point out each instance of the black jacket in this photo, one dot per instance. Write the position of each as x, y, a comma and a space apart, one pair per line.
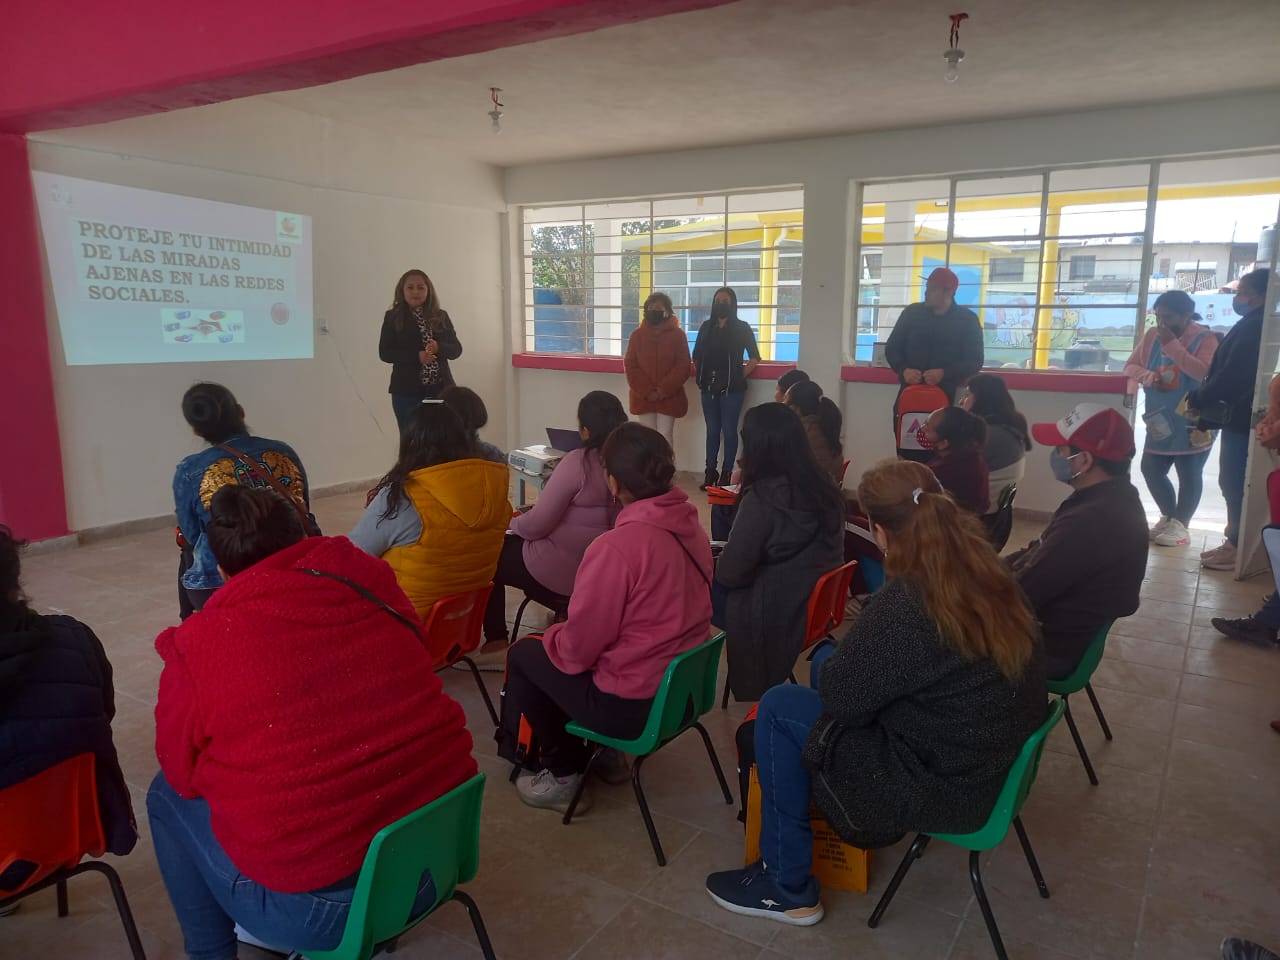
922, 340
56, 702
912, 736
400, 348
1086, 568
1230, 381
775, 554
717, 355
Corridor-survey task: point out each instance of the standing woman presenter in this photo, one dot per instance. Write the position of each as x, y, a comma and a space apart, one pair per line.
418, 340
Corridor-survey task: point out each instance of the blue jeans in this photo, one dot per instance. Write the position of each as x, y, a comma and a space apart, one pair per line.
785, 716
210, 895
1190, 467
722, 413
1232, 463
821, 654
1269, 615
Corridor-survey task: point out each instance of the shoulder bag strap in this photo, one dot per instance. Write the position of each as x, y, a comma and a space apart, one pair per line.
258, 470
691, 559
368, 595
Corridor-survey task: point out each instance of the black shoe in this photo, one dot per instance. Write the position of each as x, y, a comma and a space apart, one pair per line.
1236, 949
726, 477
1246, 630
709, 478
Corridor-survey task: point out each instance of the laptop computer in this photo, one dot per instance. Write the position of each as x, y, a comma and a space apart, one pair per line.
563, 440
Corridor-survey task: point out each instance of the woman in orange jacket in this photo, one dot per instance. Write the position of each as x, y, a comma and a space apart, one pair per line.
658, 365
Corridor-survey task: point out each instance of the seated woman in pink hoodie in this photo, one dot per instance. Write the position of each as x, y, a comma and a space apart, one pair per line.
641, 598
545, 543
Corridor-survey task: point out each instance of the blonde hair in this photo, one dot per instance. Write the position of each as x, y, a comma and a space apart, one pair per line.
943, 550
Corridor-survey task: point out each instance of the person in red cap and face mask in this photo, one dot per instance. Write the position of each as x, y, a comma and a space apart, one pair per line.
936, 342
1087, 567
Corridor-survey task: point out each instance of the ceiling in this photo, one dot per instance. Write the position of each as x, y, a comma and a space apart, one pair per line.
761, 70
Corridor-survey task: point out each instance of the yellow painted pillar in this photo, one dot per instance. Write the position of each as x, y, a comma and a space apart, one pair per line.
768, 289
1048, 286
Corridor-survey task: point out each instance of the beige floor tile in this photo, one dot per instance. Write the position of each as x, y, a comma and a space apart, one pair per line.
1230, 696
1217, 728
1153, 653
1131, 747
1121, 794
644, 929
1193, 928
1148, 628
1116, 674
1239, 662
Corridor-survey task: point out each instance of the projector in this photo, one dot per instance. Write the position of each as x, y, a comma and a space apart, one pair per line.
536, 460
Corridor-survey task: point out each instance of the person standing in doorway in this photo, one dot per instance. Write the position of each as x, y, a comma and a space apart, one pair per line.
418, 340
722, 380
657, 365
1225, 400
1171, 361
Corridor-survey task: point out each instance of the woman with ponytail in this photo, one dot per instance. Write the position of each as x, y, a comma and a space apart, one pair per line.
917, 716
822, 422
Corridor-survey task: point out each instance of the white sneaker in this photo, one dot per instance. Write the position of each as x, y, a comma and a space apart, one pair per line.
1224, 558
1158, 528
549, 792
1174, 534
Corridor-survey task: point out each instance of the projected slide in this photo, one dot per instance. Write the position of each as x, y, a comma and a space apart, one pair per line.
146, 277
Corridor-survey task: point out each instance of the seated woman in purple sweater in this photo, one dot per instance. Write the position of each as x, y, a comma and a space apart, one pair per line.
545, 544
958, 438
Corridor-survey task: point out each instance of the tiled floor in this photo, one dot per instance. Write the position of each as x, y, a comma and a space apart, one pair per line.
1177, 847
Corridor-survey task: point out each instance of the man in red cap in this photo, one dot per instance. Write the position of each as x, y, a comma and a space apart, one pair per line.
1087, 567
936, 342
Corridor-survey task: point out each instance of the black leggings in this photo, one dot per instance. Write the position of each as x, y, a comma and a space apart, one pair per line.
511, 572
548, 699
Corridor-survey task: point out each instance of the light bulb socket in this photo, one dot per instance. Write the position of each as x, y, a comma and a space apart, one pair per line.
954, 56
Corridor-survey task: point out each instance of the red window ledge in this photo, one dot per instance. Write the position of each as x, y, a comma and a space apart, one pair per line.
1050, 381
582, 363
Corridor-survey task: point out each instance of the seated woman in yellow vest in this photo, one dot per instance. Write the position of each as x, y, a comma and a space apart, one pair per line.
440, 514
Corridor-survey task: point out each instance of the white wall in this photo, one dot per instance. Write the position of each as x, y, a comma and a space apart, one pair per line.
379, 207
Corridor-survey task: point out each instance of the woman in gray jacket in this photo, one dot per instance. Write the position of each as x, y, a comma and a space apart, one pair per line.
788, 531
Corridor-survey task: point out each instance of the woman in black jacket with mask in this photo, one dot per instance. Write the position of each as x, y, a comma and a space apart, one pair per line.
722, 379
418, 340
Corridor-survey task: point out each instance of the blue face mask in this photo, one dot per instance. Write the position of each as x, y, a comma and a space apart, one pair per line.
1061, 466
1241, 307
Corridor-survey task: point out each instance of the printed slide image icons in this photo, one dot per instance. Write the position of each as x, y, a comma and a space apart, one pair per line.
202, 326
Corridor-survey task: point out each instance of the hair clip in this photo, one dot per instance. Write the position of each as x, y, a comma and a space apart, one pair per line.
915, 495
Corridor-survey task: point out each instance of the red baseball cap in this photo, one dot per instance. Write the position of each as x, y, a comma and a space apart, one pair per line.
944, 278
1090, 427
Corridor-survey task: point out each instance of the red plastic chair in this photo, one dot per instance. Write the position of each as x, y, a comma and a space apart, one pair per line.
454, 629
844, 471
48, 824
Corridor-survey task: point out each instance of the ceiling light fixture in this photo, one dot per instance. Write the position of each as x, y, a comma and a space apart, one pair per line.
953, 54
495, 115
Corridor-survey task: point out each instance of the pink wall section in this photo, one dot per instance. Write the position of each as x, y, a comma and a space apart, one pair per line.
32, 501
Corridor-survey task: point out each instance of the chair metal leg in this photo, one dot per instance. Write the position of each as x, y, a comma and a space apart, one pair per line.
515, 627
477, 922
792, 677
912, 855
975, 876
715, 763
62, 898
582, 786
1102, 721
644, 809
1075, 735
484, 691
122, 904
724, 701
1031, 857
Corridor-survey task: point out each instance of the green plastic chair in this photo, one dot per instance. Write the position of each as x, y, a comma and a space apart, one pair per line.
688, 690
1079, 680
443, 837
1006, 811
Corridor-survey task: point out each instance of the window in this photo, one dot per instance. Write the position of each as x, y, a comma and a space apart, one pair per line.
1082, 267
588, 268
1007, 268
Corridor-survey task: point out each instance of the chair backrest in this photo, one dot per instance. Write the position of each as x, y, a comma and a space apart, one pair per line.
443, 837
1016, 786
49, 822
455, 625
827, 603
1088, 663
844, 470
1001, 523
687, 691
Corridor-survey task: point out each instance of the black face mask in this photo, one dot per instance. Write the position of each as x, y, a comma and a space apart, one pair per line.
720, 311
654, 316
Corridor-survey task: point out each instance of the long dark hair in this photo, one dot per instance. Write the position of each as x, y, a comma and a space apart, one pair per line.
806, 396
13, 603
774, 445
640, 459
994, 404
961, 429
431, 309
601, 413
211, 411
434, 436
733, 301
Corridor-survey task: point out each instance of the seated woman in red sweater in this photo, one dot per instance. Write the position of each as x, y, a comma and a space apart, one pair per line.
298, 715
958, 438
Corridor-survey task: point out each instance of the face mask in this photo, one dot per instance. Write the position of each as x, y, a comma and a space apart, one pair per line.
719, 311
654, 316
1241, 307
1061, 466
